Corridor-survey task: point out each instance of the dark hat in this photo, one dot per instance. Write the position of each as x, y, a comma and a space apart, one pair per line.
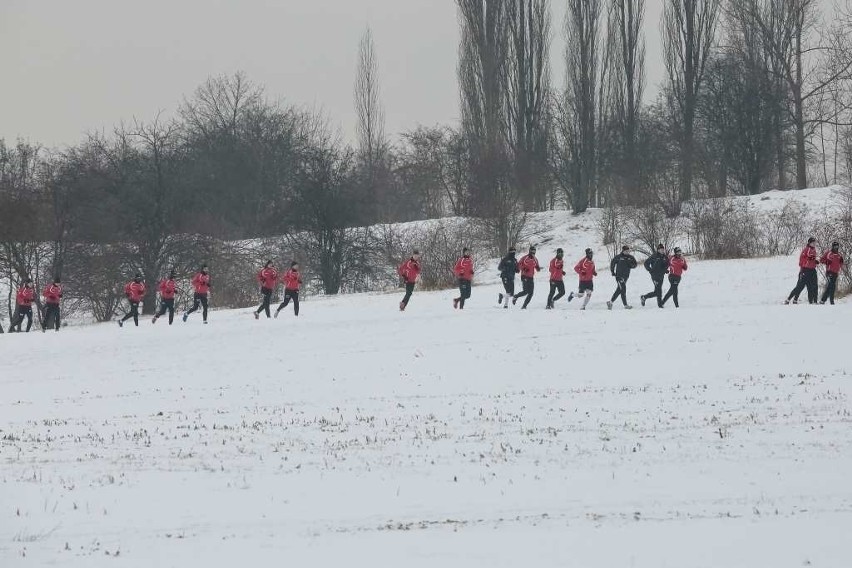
294, 263
28, 280
677, 250
625, 247
172, 273
589, 251
559, 251
268, 262
811, 240
532, 248
661, 246
57, 279
415, 251
512, 249
138, 276
835, 244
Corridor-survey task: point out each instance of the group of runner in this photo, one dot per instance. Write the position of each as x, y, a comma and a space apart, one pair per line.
659, 265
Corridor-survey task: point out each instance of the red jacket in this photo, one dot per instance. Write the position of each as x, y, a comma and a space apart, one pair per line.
25, 297
557, 269
409, 270
464, 268
586, 269
677, 265
52, 294
808, 258
292, 280
167, 289
201, 283
268, 277
528, 266
134, 291
832, 261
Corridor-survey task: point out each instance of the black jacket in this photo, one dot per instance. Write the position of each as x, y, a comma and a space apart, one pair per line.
657, 264
508, 267
621, 265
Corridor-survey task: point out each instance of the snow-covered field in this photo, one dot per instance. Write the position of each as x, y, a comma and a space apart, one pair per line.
719, 434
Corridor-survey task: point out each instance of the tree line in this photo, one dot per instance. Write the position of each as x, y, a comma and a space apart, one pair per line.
756, 96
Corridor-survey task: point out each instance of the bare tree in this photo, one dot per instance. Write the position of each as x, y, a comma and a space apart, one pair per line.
370, 127
483, 53
627, 79
811, 65
689, 31
583, 60
528, 85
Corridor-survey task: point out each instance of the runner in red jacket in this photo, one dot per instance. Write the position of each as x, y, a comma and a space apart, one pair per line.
833, 261
268, 279
464, 273
808, 262
677, 266
52, 297
201, 285
557, 273
135, 293
409, 271
527, 266
292, 280
167, 289
24, 299
585, 269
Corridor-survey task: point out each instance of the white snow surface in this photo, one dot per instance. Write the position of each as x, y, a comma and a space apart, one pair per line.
719, 434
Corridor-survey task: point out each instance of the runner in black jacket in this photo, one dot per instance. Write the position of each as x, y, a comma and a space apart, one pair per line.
657, 265
508, 267
620, 267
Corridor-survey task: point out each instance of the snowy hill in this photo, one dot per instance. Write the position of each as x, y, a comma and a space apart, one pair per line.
714, 435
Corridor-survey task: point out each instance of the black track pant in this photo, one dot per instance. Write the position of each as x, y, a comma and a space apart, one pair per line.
290, 295
555, 286
620, 291
807, 279
658, 290
464, 292
509, 285
133, 313
51, 317
409, 289
167, 306
199, 300
264, 305
674, 281
828, 293
528, 288
27, 312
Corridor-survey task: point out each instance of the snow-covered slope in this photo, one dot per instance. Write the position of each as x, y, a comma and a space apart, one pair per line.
715, 435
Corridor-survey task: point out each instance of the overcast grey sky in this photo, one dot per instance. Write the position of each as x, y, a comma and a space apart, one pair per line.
71, 66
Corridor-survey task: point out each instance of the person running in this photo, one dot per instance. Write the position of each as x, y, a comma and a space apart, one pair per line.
808, 262
52, 297
657, 266
557, 273
508, 267
677, 266
527, 266
833, 261
464, 272
620, 267
268, 279
409, 271
134, 291
292, 280
201, 285
167, 289
585, 269
24, 299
